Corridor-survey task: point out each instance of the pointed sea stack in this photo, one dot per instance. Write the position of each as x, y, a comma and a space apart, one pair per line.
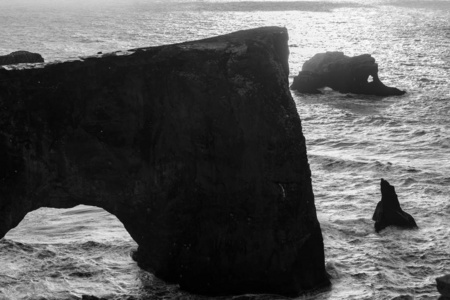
389, 212
197, 148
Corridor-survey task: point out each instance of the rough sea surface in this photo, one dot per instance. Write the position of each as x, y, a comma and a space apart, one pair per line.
352, 141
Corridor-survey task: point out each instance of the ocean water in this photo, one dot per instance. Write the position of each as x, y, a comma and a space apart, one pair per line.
352, 142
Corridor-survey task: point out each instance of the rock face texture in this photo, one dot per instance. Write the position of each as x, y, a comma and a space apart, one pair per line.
443, 286
196, 147
19, 57
388, 211
342, 73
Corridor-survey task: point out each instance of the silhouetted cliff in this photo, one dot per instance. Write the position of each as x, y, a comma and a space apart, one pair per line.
196, 147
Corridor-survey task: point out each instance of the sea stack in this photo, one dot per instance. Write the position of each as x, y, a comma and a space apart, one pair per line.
19, 57
388, 211
197, 148
343, 74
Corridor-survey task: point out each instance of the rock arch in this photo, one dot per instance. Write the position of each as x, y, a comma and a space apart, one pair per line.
342, 73
196, 148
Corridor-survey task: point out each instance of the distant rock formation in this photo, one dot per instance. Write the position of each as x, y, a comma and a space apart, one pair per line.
443, 286
389, 212
401, 297
90, 297
197, 148
19, 57
342, 73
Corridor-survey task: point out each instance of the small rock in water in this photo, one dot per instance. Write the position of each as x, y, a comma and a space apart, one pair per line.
89, 297
389, 212
403, 297
19, 57
443, 286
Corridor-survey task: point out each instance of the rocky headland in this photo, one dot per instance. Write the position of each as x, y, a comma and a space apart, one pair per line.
197, 148
343, 74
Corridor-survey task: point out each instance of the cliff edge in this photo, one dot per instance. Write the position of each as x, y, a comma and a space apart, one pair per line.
197, 148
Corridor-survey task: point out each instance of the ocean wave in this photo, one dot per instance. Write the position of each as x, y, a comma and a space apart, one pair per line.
329, 163
73, 270
7, 245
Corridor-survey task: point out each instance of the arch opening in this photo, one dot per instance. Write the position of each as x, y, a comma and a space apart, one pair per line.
61, 253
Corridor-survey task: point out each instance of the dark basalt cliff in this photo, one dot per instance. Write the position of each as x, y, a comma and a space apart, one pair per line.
197, 148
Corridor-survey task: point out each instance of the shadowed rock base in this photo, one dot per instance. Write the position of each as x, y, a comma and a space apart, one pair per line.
197, 148
443, 286
388, 211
